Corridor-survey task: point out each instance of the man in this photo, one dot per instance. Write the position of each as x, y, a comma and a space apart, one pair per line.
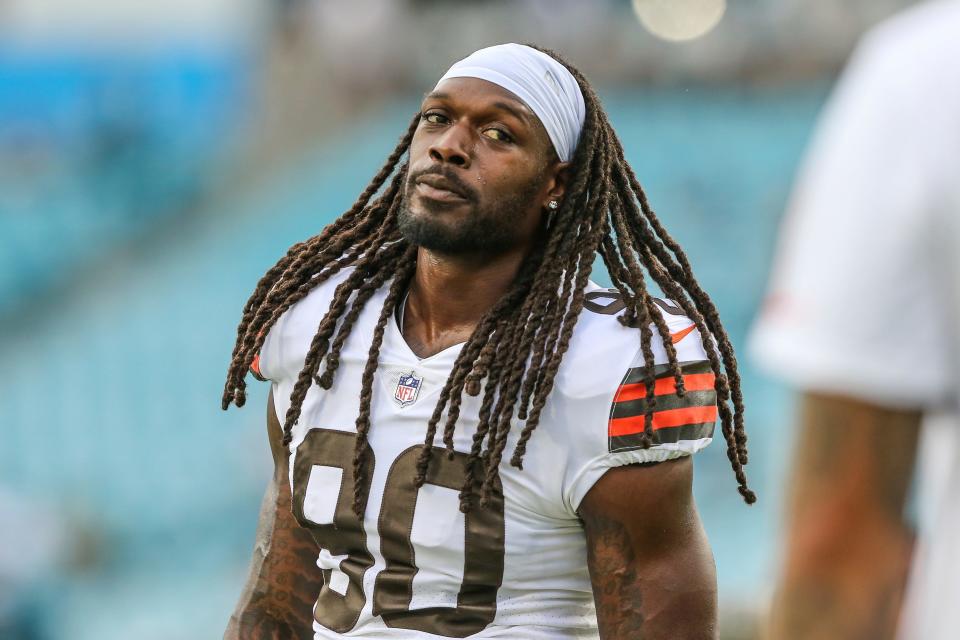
459, 300
863, 318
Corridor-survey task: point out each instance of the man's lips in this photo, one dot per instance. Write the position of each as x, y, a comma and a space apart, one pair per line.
442, 195
437, 187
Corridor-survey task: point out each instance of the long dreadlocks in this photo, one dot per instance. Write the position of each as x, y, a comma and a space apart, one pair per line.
514, 353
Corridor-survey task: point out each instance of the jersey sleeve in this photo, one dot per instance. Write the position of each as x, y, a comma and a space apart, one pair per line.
863, 295
681, 425
269, 354
278, 360
284, 350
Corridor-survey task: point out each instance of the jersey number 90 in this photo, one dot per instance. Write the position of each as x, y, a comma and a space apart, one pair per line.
393, 588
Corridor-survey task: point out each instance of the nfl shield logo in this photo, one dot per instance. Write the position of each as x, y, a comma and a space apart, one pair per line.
407, 389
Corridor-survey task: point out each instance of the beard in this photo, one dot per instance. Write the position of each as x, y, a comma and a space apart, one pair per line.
484, 228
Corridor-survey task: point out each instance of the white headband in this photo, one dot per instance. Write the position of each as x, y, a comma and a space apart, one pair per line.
542, 83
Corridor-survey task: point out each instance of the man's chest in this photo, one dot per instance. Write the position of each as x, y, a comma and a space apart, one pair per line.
403, 532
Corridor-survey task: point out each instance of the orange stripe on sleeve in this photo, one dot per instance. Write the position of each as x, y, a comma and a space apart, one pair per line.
255, 365
663, 386
663, 420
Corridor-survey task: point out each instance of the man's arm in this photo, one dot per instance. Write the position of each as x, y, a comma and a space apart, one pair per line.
650, 564
277, 601
848, 546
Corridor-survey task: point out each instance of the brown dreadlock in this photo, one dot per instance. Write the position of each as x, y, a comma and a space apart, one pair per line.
604, 211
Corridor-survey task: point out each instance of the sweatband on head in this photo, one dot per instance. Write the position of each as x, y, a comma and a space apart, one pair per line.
539, 81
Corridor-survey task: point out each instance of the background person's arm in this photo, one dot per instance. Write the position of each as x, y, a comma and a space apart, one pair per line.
848, 545
651, 566
277, 601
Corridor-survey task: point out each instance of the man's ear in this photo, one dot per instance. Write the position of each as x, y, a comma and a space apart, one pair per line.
559, 178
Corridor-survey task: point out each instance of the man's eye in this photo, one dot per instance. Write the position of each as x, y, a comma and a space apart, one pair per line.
498, 134
434, 118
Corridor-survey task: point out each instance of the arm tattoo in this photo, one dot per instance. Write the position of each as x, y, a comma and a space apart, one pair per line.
277, 601
650, 564
616, 588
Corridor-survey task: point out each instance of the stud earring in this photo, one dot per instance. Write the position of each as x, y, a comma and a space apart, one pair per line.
552, 205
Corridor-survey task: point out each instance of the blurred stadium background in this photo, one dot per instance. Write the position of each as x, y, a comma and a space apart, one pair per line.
156, 158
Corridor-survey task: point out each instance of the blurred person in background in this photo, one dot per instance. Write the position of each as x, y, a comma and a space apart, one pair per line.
863, 316
417, 311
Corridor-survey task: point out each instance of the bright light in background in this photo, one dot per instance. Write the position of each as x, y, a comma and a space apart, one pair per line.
679, 20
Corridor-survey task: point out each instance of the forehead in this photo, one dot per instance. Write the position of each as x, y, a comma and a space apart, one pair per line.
482, 91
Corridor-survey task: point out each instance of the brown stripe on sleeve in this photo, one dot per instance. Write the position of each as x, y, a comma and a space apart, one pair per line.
691, 417
637, 374
662, 436
638, 407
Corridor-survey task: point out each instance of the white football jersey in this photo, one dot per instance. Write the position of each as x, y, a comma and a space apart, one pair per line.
416, 567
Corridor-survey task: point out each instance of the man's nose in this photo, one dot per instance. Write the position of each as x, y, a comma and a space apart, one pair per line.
453, 145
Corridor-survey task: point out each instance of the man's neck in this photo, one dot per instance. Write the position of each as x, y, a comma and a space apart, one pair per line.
449, 295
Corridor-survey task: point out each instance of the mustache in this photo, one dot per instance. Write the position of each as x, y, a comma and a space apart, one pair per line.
456, 181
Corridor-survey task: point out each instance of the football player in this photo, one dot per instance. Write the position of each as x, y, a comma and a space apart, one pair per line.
471, 438
863, 318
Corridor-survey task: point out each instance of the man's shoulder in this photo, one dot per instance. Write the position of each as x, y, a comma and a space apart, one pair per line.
917, 24
314, 305
912, 43
601, 324
285, 347
604, 349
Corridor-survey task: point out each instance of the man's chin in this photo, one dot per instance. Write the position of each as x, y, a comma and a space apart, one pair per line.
433, 235
449, 233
